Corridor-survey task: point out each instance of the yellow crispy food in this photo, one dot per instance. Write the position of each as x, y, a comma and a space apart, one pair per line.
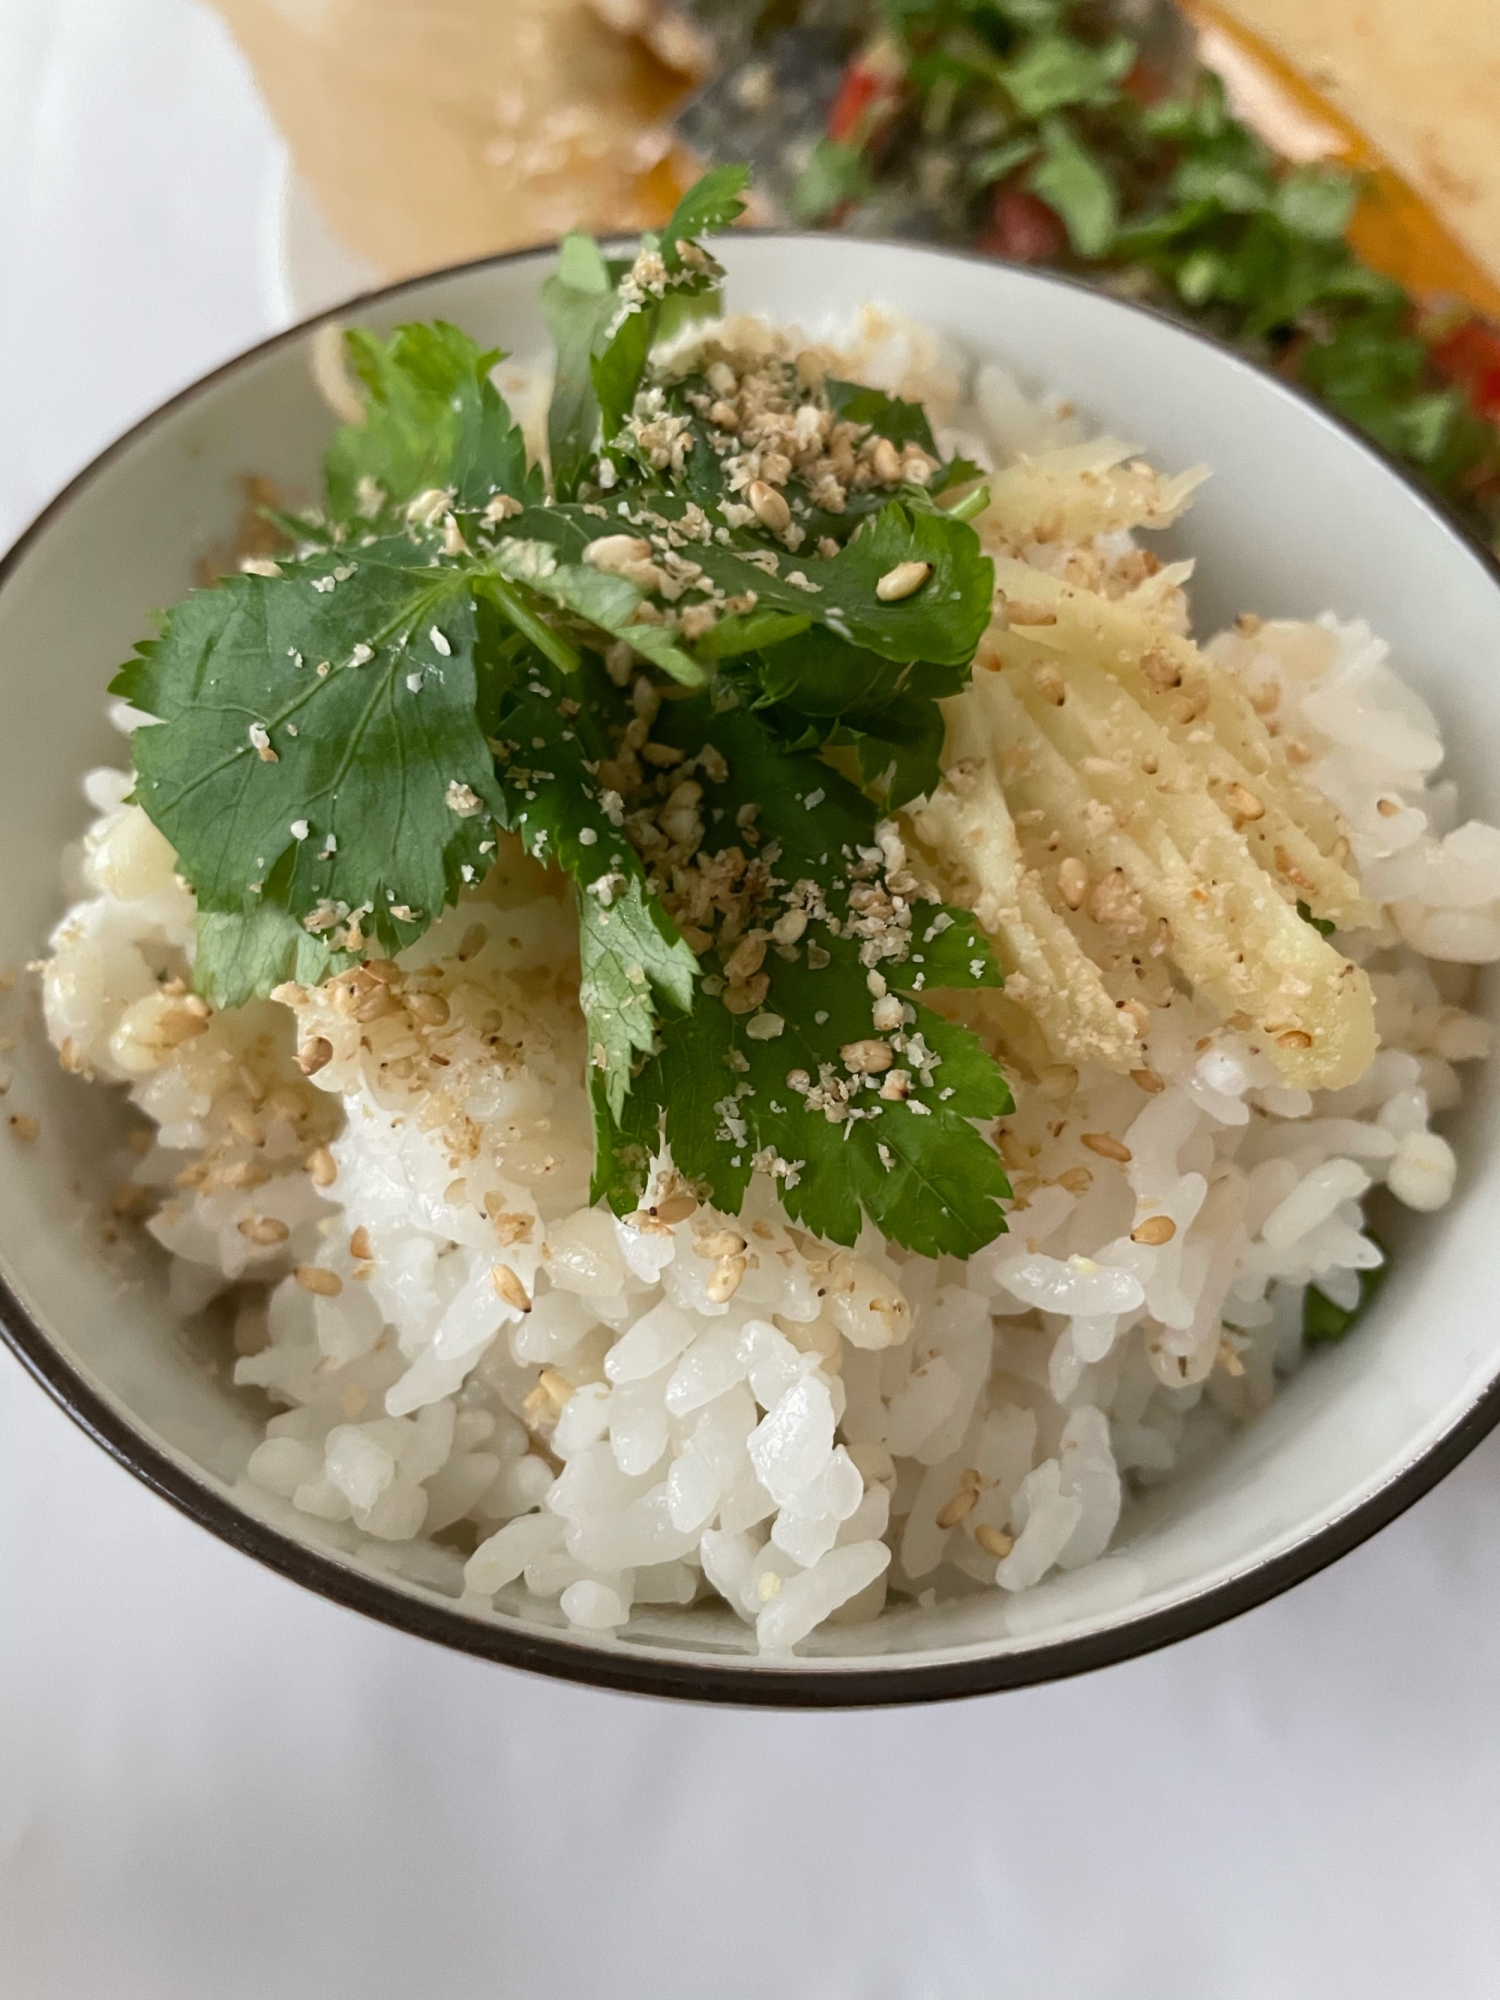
1119, 816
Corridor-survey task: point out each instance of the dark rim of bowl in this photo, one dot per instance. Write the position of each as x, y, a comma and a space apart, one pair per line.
633, 1669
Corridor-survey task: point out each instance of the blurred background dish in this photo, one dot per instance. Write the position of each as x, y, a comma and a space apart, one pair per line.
430, 132
1317, 185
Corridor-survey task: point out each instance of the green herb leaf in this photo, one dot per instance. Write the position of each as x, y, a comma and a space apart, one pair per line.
554, 733
836, 173
1070, 180
578, 302
1056, 70
361, 788
1314, 201
1003, 160
712, 203
1324, 1323
1324, 926
239, 958
433, 419
888, 416
606, 601
720, 1079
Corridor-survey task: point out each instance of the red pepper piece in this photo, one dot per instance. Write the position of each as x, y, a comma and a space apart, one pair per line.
1470, 358
1023, 228
869, 94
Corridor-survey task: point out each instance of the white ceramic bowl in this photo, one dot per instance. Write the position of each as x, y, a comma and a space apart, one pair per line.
1299, 516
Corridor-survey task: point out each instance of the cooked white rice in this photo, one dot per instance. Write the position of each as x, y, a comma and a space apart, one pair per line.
606, 1414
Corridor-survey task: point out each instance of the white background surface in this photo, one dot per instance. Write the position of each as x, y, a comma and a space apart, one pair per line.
214, 1786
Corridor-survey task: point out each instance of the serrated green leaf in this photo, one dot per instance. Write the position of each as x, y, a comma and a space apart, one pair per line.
1070, 180
713, 202
554, 733
940, 1188
626, 956
1056, 70
888, 416
578, 302
433, 419
942, 622
363, 756
238, 958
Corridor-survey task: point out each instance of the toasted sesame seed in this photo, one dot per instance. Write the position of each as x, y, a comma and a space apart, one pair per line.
676, 1208
322, 1166
313, 1278
1108, 1147
315, 1055
1147, 1080
1155, 1230
264, 1229
509, 1287
905, 580
1244, 804
771, 509
994, 1541
719, 1243
958, 1508
724, 1280
555, 1386
360, 1245
1072, 881
1050, 685
1294, 1038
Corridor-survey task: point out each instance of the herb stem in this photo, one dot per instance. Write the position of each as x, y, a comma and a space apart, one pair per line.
509, 601
971, 504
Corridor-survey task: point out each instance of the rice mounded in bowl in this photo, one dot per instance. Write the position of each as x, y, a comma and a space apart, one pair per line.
487, 1382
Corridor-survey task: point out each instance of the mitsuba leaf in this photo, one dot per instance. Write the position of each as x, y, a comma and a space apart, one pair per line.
553, 733
317, 743
917, 1167
889, 416
578, 302
238, 958
942, 622
712, 203
433, 419
899, 749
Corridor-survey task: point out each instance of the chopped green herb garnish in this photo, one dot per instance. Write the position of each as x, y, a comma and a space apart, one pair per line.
1036, 130
1324, 926
1324, 1323
693, 682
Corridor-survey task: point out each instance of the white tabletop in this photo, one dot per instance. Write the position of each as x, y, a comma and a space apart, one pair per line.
214, 1786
